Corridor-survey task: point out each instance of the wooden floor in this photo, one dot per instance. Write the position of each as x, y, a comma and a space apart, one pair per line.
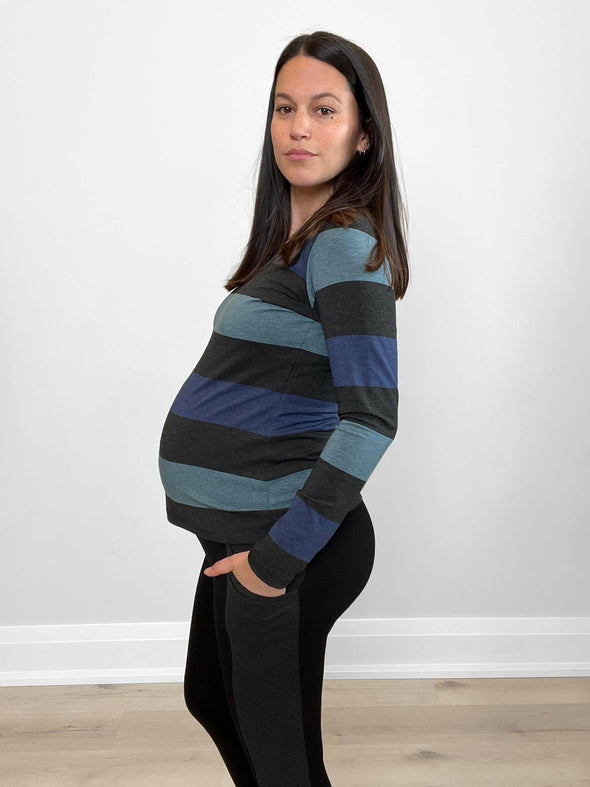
531, 732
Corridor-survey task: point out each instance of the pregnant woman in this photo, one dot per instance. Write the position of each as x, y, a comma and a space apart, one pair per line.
270, 440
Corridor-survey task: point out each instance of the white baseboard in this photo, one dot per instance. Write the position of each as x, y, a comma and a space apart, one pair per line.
357, 648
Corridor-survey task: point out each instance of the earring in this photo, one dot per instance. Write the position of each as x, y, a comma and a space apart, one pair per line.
361, 152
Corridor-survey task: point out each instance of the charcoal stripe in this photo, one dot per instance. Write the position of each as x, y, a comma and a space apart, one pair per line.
238, 451
304, 372
357, 307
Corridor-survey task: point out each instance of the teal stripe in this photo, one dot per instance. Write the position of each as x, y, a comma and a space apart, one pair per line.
339, 255
251, 319
199, 486
315, 339
355, 449
281, 491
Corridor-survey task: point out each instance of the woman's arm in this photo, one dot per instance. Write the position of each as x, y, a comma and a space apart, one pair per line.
357, 312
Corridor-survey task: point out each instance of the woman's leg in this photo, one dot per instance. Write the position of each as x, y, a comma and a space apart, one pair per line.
204, 685
334, 578
272, 653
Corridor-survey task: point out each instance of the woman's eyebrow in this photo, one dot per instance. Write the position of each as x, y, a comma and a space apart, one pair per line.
319, 95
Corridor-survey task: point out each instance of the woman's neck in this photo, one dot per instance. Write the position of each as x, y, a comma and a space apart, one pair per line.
305, 201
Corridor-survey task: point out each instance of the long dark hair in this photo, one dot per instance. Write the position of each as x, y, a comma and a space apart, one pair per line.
367, 186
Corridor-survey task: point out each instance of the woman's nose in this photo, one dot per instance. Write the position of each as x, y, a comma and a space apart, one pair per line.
299, 124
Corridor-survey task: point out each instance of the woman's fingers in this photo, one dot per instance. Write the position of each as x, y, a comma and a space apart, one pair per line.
223, 566
238, 563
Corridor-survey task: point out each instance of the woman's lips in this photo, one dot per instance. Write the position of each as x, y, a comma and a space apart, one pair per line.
299, 156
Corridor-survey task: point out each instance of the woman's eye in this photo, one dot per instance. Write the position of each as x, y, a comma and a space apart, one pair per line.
330, 111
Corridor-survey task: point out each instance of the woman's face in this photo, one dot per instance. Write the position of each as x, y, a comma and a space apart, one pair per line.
328, 126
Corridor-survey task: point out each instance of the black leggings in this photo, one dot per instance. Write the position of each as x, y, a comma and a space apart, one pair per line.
255, 664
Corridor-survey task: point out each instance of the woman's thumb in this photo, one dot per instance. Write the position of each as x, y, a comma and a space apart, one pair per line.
223, 566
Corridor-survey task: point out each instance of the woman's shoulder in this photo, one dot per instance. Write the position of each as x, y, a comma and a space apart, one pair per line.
357, 219
340, 252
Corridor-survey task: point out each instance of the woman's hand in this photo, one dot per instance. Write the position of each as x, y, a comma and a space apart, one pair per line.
238, 563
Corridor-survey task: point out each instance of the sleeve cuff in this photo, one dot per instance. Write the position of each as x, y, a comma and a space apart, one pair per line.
272, 564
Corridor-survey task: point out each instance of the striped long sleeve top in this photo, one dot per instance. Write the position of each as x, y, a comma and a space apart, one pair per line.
293, 403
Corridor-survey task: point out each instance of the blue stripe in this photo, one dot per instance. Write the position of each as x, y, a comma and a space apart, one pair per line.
355, 449
301, 531
300, 266
253, 409
363, 360
204, 488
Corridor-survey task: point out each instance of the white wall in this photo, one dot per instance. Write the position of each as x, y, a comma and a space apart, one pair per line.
128, 156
